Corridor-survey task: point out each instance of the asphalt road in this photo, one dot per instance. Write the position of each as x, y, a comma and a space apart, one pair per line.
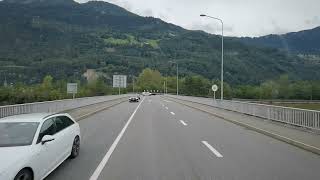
162, 140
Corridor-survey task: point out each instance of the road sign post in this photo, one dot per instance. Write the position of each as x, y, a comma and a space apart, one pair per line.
72, 88
119, 81
214, 89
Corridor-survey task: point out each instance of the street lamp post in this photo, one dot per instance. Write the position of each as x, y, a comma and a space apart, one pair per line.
203, 15
164, 87
177, 79
133, 84
174, 62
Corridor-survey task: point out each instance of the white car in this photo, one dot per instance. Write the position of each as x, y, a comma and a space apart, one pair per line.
146, 93
33, 145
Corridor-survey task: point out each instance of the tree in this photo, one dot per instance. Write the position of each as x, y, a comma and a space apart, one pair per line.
196, 86
283, 85
45, 88
302, 90
269, 90
150, 80
47, 82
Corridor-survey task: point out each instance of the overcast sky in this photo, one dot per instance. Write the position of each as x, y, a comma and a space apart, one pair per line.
241, 17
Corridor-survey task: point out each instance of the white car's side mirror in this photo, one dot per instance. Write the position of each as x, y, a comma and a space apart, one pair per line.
47, 138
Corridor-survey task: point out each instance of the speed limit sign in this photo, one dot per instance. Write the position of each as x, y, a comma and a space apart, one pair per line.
214, 88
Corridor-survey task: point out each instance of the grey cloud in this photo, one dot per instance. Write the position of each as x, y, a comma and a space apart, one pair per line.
242, 18
123, 3
277, 29
206, 27
214, 28
147, 12
314, 21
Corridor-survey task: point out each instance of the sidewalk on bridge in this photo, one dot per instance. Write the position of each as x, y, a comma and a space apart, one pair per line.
297, 136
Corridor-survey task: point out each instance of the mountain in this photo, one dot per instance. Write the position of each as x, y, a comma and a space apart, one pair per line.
64, 39
302, 42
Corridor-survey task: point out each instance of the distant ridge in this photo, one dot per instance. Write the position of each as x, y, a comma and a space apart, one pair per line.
302, 42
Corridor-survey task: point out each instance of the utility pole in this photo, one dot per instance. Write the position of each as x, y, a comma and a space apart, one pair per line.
222, 49
133, 84
164, 87
120, 80
174, 62
177, 79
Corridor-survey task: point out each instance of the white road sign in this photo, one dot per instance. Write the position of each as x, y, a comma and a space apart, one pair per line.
214, 88
72, 88
119, 81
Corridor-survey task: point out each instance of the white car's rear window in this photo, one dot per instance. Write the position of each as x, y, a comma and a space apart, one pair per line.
17, 133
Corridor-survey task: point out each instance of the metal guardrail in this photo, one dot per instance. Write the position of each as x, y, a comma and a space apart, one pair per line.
294, 116
53, 106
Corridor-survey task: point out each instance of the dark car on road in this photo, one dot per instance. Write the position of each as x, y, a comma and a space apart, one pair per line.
133, 99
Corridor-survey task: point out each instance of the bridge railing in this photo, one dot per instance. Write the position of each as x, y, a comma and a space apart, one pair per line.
53, 106
294, 116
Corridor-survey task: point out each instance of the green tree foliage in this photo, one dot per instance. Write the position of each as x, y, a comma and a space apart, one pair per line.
149, 80
281, 88
171, 84
51, 90
283, 85
195, 85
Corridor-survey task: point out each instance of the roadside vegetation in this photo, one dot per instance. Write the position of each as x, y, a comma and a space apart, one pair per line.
50, 90
196, 85
148, 79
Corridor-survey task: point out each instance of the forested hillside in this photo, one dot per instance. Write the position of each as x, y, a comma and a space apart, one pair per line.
64, 39
302, 42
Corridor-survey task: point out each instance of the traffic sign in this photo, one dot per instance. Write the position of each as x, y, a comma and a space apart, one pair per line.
119, 81
72, 88
214, 88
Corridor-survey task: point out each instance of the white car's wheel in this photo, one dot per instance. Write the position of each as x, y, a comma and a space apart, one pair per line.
24, 174
75, 147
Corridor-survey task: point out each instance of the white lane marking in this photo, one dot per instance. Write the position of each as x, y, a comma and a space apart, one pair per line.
166, 101
212, 149
167, 108
105, 159
182, 122
172, 113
